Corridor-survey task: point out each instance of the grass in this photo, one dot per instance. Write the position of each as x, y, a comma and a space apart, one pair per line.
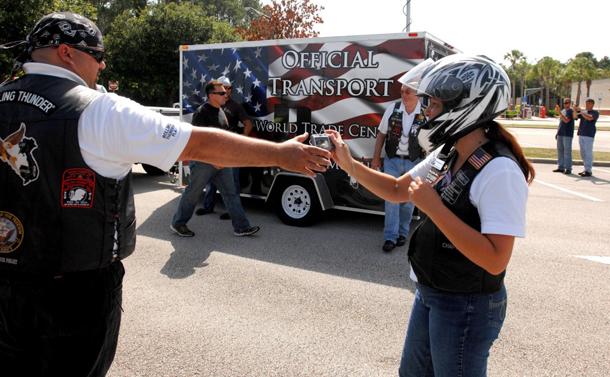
508, 123
552, 154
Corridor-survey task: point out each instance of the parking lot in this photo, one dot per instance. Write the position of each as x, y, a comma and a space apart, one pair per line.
326, 301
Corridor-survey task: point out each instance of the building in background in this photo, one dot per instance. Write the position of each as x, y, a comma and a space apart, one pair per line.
600, 92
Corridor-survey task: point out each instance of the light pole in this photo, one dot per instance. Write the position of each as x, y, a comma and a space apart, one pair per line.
258, 12
265, 15
406, 9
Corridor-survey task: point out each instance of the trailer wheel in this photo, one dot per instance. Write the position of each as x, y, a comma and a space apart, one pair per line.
297, 203
152, 170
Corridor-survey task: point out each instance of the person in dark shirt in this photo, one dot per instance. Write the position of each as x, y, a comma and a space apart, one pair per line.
67, 212
235, 114
210, 114
586, 133
564, 136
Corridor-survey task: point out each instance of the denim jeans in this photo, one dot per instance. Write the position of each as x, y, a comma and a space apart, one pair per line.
586, 152
564, 152
209, 198
201, 174
397, 216
450, 334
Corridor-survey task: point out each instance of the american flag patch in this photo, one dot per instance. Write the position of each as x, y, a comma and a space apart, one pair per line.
479, 158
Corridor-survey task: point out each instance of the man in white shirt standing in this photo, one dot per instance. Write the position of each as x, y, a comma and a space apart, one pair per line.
398, 131
67, 214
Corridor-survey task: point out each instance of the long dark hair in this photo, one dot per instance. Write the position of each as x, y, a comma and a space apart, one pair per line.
496, 132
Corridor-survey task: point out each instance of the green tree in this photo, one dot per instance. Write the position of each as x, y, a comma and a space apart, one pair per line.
108, 10
522, 70
604, 64
143, 49
546, 71
17, 20
580, 69
514, 58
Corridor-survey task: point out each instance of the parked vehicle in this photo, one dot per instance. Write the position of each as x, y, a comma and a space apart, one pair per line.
292, 86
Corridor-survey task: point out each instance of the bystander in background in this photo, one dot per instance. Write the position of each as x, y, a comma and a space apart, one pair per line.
586, 133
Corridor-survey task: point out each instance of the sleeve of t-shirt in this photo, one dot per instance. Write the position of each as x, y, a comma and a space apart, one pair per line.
383, 125
500, 193
114, 132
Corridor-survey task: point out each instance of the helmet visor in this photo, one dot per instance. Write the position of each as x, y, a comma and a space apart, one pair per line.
413, 77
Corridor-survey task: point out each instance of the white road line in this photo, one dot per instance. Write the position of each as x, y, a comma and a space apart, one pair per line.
591, 198
595, 258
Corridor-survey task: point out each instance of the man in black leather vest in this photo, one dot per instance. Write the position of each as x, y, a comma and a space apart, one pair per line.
67, 214
398, 131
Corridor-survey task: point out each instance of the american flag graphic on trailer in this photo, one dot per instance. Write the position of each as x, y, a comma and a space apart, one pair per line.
289, 89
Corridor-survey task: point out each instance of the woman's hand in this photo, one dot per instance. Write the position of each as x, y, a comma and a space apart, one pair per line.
341, 154
424, 196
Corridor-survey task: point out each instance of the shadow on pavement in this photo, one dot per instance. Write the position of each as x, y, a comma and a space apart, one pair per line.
343, 244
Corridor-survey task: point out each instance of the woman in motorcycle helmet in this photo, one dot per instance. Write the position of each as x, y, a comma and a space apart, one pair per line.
472, 190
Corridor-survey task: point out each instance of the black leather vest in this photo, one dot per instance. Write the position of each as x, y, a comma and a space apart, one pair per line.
56, 214
435, 261
395, 133
415, 150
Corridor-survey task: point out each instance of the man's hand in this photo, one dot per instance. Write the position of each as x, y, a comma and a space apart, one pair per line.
302, 158
376, 163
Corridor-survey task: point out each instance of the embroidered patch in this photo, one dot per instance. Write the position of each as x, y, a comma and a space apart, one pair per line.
77, 188
11, 235
16, 151
453, 191
479, 158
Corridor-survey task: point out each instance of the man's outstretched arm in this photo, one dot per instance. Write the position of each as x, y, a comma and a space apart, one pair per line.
223, 148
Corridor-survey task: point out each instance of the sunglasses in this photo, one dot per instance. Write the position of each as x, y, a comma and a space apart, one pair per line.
98, 55
219, 93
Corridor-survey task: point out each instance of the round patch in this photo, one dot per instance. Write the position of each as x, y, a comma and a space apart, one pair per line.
11, 232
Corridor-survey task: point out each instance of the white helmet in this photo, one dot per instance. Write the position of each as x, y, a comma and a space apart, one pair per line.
473, 89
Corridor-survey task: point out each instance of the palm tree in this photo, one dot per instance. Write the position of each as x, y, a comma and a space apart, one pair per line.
581, 68
514, 57
546, 70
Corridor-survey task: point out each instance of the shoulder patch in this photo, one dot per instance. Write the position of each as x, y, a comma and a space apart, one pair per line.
479, 158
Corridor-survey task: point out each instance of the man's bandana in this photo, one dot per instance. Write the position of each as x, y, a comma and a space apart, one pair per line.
65, 27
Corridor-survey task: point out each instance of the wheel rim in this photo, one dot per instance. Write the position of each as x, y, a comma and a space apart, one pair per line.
296, 201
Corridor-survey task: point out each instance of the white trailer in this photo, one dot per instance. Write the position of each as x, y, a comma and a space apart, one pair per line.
292, 86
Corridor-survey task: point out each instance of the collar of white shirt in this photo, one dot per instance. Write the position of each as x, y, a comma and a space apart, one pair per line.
52, 70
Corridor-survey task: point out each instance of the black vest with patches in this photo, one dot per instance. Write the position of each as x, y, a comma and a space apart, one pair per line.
434, 259
56, 214
395, 132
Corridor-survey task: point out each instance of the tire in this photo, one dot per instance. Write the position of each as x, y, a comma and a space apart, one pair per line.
152, 170
296, 202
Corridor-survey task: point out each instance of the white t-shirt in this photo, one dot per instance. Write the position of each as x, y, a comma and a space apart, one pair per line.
499, 192
114, 132
407, 121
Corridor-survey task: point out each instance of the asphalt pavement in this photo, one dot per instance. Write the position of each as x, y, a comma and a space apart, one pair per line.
326, 301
